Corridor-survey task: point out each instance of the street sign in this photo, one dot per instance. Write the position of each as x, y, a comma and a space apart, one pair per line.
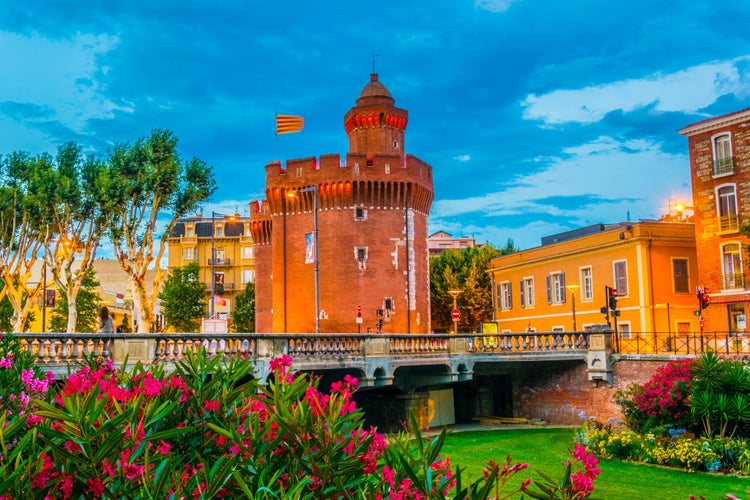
455, 314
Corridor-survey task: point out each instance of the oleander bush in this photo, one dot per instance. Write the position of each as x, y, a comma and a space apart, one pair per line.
692, 414
210, 430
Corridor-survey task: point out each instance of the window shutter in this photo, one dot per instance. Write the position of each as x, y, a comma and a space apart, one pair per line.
523, 291
563, 291
549, 289
510, 295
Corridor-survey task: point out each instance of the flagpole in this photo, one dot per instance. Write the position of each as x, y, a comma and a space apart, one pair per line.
276, 142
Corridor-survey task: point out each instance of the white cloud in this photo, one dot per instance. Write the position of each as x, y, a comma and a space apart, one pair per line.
61, 78
494, 5
462, 158
687, 91
607, 169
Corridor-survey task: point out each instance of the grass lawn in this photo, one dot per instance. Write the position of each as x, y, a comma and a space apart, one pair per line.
544, 450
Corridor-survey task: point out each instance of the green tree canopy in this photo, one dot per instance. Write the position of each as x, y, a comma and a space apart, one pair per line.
88, 304
464, 270
243, 315
183, 298
146, 183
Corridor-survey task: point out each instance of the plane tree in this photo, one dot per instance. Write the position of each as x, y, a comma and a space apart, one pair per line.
21, 235
66, 190
146, 189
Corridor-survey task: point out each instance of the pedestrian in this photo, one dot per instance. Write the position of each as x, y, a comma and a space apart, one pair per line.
106, 321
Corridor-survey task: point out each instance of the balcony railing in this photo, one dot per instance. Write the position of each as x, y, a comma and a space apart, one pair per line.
219, 262
732, 281
724, 166
729, 223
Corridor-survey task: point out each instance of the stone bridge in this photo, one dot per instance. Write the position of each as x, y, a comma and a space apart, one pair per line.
406, 361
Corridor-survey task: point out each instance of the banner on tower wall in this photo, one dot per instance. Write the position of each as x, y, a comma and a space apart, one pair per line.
309, 248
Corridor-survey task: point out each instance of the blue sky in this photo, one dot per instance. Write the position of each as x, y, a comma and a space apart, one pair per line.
537, 116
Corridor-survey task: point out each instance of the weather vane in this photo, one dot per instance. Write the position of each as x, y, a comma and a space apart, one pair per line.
374, 55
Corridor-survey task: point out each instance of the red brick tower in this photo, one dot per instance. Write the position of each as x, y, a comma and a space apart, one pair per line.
372, 232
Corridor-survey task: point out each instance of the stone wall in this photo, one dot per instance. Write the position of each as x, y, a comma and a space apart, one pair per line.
560, 393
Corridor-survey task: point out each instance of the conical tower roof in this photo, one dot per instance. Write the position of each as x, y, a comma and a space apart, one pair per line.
375, 93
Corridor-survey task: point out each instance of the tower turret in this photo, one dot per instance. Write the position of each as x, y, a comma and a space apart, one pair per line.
375, 125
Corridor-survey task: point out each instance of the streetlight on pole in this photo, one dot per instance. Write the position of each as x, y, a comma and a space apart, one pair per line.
314, 190
455, 313
230, 218
573, 289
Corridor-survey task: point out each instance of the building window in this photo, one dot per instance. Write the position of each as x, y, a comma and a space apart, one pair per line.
219, 256
299, 171
360, 213
731, 262
723, 159
219, 283
621, 277
504, 295
387, 168
360, 255
248, 275
219, 231
395, 144
556, 288
388, 303
680, 276
587, 284
527, 292
624, 329
189, 231
247, 252
726, 198
188, 253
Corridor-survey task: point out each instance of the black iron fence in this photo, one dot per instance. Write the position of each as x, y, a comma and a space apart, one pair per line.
728, 343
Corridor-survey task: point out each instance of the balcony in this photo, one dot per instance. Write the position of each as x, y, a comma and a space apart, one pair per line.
729, 223
724, 166
219, 262
185, 240
733, 281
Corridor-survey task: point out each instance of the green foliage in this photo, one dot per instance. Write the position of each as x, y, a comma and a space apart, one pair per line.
183, 298
243, 314
88, 304
721, 395
145, 181
464, 270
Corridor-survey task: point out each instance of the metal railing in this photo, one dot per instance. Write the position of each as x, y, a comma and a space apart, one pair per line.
724, 165
728, 223
732, 281
685, 343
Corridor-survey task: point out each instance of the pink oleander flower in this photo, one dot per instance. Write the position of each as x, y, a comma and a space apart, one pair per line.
66, 485
211, 405
163, 447
95, 487
6, 361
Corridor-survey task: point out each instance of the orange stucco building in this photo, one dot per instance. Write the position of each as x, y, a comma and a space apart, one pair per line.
369, 270
651, 264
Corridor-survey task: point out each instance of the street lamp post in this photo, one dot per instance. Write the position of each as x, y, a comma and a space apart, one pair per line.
314, 190
573, 289
454, 294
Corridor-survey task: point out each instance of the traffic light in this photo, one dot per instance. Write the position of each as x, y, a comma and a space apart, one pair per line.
612, 300
703, 298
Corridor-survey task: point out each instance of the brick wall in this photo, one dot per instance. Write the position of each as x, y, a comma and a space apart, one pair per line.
559, 393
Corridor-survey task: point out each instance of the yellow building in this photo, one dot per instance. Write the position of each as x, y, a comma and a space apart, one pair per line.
191, 240
560, 286
113, 290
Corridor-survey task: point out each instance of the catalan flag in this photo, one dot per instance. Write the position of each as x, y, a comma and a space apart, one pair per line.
286, 124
